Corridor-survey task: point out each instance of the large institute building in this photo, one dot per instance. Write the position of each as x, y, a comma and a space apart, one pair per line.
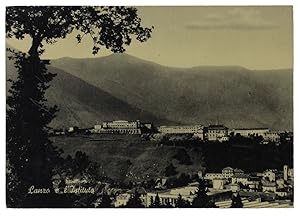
123, 127
196, 130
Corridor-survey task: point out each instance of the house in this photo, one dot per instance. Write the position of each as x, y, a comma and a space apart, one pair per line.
122, 199
219, 183
211, 176
280, 183
238, 171
248, 132
269, 187
123, 127
227, 172
253, 186
288, 173
270, 175
234, 187
196, 130
217, 133
272, 136
240, 178
282, 192
254, 183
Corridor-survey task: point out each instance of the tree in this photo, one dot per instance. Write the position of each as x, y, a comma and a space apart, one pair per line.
105, 201
183, 180
181, 203
236, 202
31, 156
183, 157
156, 202
135, 201
201, 199
170, 170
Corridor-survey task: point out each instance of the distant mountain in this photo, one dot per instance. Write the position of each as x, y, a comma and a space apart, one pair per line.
232, 95
84, 105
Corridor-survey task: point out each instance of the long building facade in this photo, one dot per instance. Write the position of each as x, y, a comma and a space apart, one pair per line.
247, 132
123, 127
196, 130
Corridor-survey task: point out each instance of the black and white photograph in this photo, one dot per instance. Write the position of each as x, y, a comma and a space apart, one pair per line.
149, 106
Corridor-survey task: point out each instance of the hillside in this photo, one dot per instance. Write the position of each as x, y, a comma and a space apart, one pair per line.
82, 104
119, 155
131, 157
233, 95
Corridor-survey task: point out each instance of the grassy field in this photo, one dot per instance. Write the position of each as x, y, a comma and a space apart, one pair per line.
127, 156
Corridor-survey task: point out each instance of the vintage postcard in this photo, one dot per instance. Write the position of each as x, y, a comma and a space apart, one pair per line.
149, 107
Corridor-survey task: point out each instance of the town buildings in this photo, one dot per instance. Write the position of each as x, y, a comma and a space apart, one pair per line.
271, 183
212, 133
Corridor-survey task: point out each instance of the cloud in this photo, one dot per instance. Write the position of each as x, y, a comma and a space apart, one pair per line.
233, 18
231, 26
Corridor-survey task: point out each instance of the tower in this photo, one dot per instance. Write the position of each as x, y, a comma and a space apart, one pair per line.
285, 172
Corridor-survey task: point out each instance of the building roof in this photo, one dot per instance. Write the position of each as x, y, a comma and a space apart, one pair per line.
212, 127
240, 176
180, 126
269, 184
254, 178
251, 129
238, 170
227, 168
219, 179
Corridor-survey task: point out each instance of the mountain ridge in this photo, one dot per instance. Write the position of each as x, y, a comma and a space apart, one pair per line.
232, 95
178, 93
79, 103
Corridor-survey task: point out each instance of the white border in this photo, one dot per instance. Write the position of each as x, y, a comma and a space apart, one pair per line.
206, 212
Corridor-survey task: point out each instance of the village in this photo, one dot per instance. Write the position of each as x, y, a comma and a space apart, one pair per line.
270, 188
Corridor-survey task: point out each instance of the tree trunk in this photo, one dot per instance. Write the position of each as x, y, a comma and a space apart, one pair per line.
33, 51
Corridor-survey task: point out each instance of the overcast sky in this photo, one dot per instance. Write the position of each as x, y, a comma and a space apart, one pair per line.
253, 37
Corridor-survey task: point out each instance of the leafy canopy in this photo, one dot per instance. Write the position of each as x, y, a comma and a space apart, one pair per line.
107, 26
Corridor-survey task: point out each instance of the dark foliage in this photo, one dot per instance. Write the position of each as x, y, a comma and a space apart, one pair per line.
202, 200
236, 202
30, 155
183, 157
181, 203
105, 201
135, 201
170, 170
179, 181
156, 202
247, 154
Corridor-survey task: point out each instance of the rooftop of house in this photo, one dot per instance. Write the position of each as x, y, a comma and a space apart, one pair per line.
269, 184
227, 168
213, 127
238, 170
240, 176
251, 129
